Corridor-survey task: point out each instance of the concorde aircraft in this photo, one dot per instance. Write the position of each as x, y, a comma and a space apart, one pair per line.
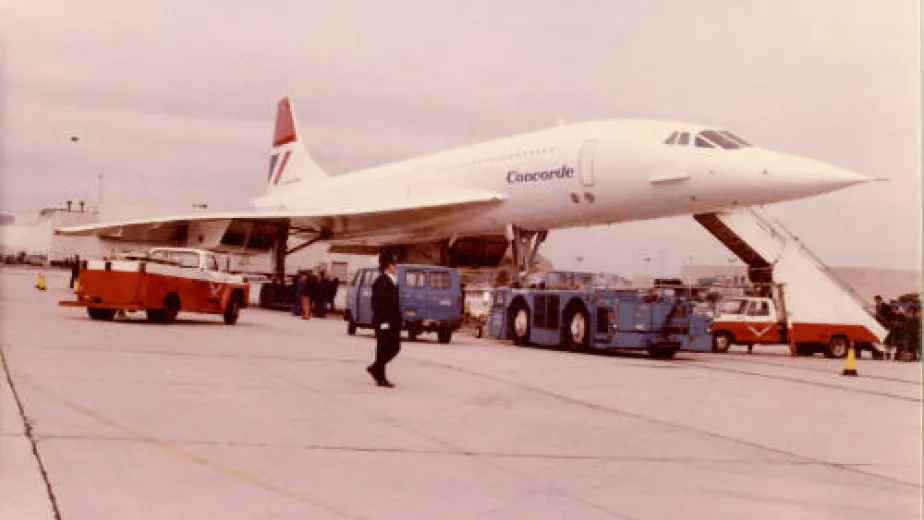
466, 206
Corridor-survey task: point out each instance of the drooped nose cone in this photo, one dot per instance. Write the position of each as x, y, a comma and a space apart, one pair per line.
827, 176
804, 177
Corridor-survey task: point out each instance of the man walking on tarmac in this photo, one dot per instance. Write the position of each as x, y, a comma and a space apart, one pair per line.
386, 319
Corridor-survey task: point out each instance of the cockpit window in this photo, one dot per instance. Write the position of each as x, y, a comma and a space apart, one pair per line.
708, 139
720, 139
703, 143
741, 142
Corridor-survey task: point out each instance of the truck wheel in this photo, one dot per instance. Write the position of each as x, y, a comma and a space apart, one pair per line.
575, 335
351, 327
170, 309
721, 342
661, 352
519, 323
444, 335
101, 314
837, 347
232, 311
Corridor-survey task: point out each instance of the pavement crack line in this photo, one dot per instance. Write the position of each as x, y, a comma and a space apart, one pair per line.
482, 459
766, 363
195, 458
708, 433
27, 429
820, 384
412, 451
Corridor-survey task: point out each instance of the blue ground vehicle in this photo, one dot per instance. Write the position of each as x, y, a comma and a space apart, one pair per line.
585, 320
431, 300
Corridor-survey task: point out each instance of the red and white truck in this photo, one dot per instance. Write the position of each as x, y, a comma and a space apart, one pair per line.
803, 303
753, 320
163, 282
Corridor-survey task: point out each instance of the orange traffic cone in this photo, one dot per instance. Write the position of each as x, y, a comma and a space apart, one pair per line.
850, 366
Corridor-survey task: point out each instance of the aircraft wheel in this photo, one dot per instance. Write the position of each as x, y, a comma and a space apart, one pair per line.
267, 295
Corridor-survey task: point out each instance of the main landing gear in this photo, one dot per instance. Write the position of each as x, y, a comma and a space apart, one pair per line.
276, 293
525, 244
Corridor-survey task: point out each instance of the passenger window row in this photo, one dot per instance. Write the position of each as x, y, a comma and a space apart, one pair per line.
412, 279
510, 156
419, 279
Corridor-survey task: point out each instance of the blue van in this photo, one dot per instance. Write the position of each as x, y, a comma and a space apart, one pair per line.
431, 300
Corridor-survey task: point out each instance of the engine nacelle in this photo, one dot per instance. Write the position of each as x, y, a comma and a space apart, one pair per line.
464, 252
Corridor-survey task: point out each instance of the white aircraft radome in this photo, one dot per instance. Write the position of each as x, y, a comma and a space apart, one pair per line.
467, 205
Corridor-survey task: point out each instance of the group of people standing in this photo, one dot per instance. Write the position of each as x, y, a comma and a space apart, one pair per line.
904, 325
314, 294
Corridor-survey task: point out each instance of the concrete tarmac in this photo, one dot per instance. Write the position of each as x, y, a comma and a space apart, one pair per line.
275, 417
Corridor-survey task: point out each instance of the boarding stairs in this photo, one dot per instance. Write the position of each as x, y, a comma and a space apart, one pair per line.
774, 255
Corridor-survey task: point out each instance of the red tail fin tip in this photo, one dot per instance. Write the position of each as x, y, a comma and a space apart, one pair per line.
285, 125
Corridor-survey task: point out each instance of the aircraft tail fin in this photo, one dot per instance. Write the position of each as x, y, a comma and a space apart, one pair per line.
290, 162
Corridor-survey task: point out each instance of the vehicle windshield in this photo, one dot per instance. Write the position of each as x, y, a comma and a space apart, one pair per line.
184, 258
733, 307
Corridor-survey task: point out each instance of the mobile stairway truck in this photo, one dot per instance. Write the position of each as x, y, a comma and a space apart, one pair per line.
804, 304
587, 320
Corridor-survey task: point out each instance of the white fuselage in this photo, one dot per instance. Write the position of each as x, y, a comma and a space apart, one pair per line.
573, 175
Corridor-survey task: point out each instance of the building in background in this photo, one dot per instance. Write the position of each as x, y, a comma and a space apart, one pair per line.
33, 241
867, 282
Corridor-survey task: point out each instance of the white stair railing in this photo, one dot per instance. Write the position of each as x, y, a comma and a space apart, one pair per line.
780, 230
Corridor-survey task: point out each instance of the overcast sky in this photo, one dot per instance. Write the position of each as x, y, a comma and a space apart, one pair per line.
174, 101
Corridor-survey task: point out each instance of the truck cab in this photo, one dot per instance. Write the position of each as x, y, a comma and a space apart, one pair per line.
430, 299
747, 320
184, 257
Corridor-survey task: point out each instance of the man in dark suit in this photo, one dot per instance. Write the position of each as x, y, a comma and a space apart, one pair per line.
386, 319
